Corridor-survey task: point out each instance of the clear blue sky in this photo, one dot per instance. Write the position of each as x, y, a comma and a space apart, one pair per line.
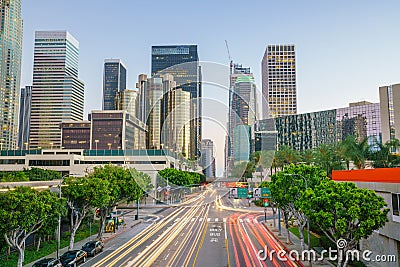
345, 49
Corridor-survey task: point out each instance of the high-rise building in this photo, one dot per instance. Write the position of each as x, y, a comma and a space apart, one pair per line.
141, 99
182, 62
390, 111
176, 126
242, 107
11, 27
114, 81
127, 100
152, 116
24, 117
279, 81
57, 93
207, 157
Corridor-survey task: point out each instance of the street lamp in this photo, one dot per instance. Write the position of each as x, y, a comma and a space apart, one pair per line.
59, 219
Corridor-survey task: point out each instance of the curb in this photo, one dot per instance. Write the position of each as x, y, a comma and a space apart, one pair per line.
299, 263
123, 231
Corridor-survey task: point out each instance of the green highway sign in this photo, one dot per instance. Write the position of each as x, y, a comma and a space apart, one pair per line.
242, 192
265, 193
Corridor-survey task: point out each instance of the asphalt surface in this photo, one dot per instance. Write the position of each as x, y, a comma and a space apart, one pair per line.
207, 230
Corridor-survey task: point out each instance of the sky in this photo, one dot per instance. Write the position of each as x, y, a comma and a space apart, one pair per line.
345, 50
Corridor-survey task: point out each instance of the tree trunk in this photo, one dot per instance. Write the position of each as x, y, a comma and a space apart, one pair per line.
38, 243
285, 216
72, 239
20, 256
101, 224
301, 234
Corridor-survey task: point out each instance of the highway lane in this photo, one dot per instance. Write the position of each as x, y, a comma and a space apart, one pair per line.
201, 232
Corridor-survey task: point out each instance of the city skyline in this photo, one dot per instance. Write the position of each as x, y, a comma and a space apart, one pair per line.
335, 44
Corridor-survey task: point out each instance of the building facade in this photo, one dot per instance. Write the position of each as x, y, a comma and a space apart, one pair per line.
116, 130
242, 106
207, 158
390, 111
242, 143
279, 81
114, 81
11, 28
310, 130
75, 134
152, 114
25, 104
127, 100
57, 93
182, 62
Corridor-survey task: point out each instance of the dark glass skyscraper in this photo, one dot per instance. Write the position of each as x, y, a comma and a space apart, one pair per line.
114, 82
25, 104
182, 62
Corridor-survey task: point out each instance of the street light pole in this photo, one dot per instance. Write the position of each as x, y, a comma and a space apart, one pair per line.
59, 220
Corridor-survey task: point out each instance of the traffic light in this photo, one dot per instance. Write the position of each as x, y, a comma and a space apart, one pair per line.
266, 202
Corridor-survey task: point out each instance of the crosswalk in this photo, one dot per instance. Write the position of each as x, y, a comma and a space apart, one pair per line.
224, 220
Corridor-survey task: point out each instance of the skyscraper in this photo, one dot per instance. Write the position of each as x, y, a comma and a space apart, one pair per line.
279, 81
390, 111
242, 107
57, 93
152, 116
10, 70
24, 117
207, 157
114, 81
182, 62
127, 100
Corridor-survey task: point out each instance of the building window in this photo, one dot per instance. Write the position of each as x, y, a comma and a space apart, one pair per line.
395, 204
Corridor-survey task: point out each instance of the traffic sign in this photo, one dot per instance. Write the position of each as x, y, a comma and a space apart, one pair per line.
242, 192
168, 187
257, 192
159, 189
265, 193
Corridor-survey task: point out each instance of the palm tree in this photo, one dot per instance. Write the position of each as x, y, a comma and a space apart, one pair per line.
357, 151
383, 156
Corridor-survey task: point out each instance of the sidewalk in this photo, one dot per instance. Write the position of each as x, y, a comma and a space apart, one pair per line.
129, 223
295, 243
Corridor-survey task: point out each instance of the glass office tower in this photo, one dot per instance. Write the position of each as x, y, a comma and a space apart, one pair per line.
57, 93
24, 117
279, 81
11, 27
182, 62
114, 81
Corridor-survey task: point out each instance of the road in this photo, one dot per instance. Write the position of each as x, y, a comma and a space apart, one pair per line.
207, 230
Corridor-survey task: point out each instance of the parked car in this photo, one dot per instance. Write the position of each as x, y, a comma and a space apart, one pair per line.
73, 258
48, 263
93, 247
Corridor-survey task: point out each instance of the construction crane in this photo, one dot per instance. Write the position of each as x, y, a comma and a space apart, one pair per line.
229, 55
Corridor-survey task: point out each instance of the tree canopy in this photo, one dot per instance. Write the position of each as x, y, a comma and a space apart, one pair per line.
24, 211
344, 211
